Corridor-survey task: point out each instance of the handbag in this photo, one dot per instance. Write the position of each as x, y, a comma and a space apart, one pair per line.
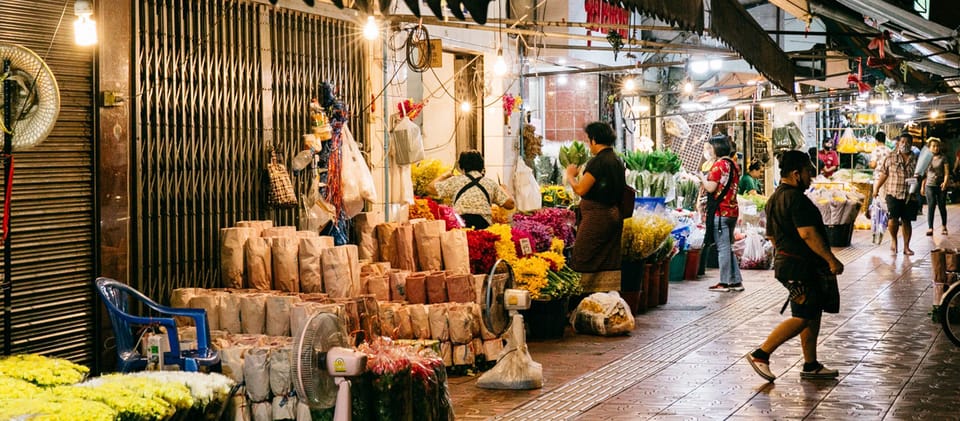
281, 187
627, 202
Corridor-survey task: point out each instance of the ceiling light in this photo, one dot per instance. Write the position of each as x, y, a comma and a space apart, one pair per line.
935, 114
561, 61
465, 106
699, 66
371, 31
629, 85
687, 88
562, 80
84, 28
742, 107
581, 83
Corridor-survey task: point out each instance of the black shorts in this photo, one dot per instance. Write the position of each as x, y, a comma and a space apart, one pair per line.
805, 301
903, 210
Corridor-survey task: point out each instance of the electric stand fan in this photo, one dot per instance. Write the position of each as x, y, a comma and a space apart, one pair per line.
515, 369
322, 364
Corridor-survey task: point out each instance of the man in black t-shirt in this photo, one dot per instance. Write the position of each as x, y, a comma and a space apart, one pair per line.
803, 263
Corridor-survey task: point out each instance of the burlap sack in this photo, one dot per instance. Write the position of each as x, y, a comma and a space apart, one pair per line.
259, 262
338, 282
460, 323
938, 262
402, 320
387, 242
463, 355
398, 284
416, 288
281, 360
253, 313
284, 407
311, 274
262, 411
388, 322
446, 352
419, 321
232, 270
478, 286
286, 270
460, 288
256, 374
426, 236
456, 254
365, 225
951, 260
307, 234
257, 226
370, 321
300, 313
231, 359
405, 257
477, 319
353, 260
492, 349
180, 298
283, 231
278, 314
379, 286
210, 302
477, 346
438, 322
436, 283
230, 313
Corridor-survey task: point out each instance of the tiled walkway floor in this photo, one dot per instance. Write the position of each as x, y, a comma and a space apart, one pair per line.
685, 359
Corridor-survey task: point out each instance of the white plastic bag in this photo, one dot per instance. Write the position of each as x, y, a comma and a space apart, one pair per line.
603, 313
525, 187
754, 253
407, 142
357, 181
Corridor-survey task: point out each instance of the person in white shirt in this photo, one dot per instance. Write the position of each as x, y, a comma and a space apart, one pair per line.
880, 150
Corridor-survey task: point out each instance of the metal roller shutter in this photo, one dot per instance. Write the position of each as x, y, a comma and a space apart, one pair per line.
200, 146
52, 216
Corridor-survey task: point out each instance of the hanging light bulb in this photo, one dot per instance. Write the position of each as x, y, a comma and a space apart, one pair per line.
581, 83
465, 106
371, 31
629, 85
562, 80
687, 88
742, 107
500, 66
84, 28
935, 114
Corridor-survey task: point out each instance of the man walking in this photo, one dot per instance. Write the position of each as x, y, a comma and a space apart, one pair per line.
896, 173
802, 263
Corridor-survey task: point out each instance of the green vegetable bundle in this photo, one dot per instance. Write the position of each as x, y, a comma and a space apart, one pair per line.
658, 161
576, 154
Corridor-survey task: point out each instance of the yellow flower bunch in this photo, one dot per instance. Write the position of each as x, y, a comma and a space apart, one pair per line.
642, 235
176, 394
425, 171
42, 371
48, 408
421, 209
501, 215
505, 248
531, 274
11, 388
555, 259
131, 404
557, 245
555, 196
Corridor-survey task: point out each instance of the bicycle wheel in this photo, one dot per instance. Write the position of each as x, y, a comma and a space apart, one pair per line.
950, 314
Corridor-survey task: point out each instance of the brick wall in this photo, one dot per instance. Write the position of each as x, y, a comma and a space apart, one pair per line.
570, 106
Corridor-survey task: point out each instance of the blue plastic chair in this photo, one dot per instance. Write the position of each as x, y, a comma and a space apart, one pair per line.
117, 296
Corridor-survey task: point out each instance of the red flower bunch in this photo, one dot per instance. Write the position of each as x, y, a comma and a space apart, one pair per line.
509, 101
519, 235
409, 108
483, 252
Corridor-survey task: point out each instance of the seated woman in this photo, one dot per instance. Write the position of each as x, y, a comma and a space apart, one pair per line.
470, 193
749, 183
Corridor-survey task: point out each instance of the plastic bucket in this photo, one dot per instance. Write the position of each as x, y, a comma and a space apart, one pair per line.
678, 266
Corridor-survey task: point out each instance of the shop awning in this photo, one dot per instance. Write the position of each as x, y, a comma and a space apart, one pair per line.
733, 25
684, 14
799, 9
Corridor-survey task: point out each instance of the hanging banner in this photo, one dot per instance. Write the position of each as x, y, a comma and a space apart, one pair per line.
684, 14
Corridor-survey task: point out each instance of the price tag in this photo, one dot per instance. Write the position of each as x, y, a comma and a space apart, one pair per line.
525, 246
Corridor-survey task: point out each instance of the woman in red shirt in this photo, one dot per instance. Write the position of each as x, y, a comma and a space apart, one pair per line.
722, 212
830, 158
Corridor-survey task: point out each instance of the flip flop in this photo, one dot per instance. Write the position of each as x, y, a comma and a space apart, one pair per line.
908, 252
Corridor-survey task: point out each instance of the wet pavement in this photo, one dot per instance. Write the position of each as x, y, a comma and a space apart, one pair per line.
685, 360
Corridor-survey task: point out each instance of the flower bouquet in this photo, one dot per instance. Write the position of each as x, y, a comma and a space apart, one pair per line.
559, 220
424, 172
643, 234
42, 371
422, 208
555, 196
541, 234
482, 246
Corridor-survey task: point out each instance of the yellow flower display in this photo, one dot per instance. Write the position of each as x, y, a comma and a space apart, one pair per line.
129, 403
425, 171
11, 388
555, 259
501, 215
555, 196
642, 234
557, 245
531, 274
55, 409
505, 248
42, 371
421, 209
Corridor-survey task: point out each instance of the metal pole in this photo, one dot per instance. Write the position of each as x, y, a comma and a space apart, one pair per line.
9, 87
386, 135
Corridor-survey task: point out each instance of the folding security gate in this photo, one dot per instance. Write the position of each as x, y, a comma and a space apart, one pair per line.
211, 77
53, 212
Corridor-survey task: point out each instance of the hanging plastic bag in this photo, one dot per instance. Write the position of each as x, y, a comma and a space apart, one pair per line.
754, 253
407, 142
848, 142
526, 189
357, 180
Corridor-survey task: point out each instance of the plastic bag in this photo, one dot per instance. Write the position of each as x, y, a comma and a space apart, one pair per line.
848, 142
787, 138
754, 253
357, 184
525, 187
407, 142
604, 314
